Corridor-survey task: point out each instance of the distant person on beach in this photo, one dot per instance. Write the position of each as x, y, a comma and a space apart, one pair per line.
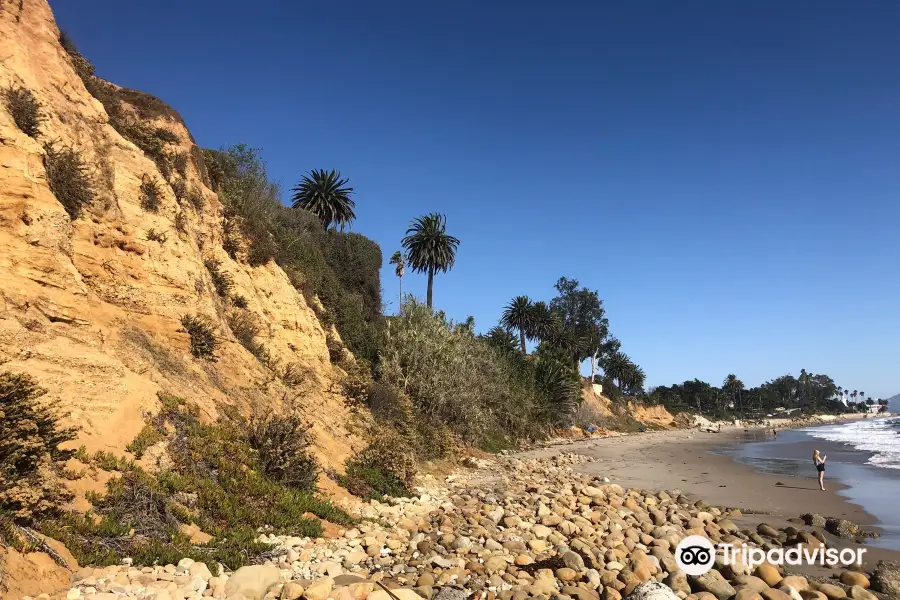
819, 460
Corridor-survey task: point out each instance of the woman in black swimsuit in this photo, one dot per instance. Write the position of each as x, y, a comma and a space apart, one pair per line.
819, 461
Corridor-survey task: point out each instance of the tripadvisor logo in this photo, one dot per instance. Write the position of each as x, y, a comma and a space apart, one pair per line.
695, 555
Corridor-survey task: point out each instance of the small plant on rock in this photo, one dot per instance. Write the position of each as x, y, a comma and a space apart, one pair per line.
221, 280
157, 236
25, 110
151, 194
68, 177
202, 334
239, 301
282, 446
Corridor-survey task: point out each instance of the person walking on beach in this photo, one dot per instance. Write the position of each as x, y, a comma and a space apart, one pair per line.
819, 460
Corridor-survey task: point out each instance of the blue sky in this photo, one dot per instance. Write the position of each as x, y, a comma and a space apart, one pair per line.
724, 174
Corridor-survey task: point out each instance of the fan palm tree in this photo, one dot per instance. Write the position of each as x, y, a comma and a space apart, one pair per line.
545, 325
519, 315
854, 394
429, 248
398, 259
325, 195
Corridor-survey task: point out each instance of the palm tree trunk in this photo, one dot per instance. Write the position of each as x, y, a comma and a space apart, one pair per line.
522, 338
400, 306
430, 285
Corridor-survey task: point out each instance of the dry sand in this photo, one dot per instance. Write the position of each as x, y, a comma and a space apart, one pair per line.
684, 459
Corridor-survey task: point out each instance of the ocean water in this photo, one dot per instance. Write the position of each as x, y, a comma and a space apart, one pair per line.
881, 437
864, 456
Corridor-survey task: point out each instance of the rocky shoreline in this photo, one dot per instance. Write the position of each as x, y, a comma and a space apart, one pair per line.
508, 529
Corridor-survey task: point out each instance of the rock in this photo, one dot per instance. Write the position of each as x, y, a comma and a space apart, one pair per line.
541, 531
852, 578
750, 582
678, 581
767, 530
812, 595
795, 581
580, 593
832, 592
401, 593
566, 574
291, 591
860, 593
496, 564
319, 589
573, 560
790, 591
449, 592
773, 594
769, 574
813, 520
747, 594
842, 528
73, 594
652, 590
425, 579
199, 569
886, 578
253, 581
713, 582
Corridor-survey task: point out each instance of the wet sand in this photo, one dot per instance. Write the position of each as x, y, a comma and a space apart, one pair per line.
687, 460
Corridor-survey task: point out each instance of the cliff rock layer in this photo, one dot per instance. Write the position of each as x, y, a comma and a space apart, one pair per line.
92, 307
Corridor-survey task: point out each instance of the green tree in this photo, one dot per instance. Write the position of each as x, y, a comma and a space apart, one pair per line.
617, 367
400, 261
429, 248
734, 386
325, 195
502, 339
580, 313
519, 315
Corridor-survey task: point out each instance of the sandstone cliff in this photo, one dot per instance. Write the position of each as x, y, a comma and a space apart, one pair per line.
91, 307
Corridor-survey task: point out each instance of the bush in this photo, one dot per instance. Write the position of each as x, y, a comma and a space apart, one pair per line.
384, 467
202, 334
150, 435
179, 189
68, 177
239, 301
196, 199
217, 481
282, 445
336, 352
295, 375
151, 194
456, 378
24, 109
181, 222
30, 457
222, 281
356, 385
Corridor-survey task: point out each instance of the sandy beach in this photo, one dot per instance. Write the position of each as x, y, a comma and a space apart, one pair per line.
689, 460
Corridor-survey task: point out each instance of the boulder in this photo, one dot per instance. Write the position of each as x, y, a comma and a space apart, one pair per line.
713, 582
861, 593
852, 578
796, 581
747, 594
652, 590
831, 591
773, 594
253, 581
886, 578
769, 574
319, 589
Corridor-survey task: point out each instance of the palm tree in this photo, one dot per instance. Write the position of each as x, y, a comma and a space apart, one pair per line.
854, 394
429, 248
398, 259
545, 325
617, 367
519, 315
324, 194
502, 339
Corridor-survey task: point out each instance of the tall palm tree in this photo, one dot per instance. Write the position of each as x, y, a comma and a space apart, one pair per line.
617, 367
853, 395
325, 195
429, 248
398, 259
519, 315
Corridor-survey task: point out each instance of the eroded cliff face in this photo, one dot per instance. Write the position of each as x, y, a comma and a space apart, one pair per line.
92, 307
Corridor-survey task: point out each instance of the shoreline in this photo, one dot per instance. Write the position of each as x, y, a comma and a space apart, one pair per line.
701, 466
